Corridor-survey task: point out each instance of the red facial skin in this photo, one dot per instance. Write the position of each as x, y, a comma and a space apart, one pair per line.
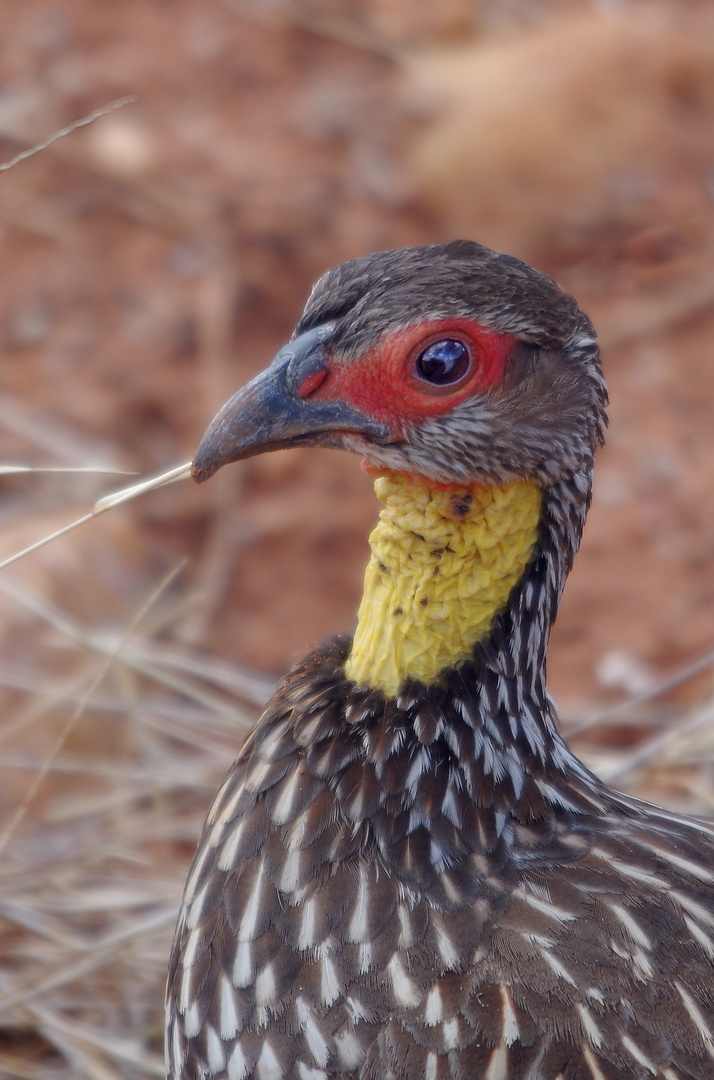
382, 382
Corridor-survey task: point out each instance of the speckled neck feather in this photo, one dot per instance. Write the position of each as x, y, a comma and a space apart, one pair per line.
443, 564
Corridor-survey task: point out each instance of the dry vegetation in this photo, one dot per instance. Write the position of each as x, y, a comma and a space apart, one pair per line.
153, 260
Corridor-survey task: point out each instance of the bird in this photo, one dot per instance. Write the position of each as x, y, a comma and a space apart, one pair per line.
407, 874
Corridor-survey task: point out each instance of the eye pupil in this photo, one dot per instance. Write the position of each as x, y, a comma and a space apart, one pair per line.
443, 362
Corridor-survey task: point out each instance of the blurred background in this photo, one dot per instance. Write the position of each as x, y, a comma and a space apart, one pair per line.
155, 259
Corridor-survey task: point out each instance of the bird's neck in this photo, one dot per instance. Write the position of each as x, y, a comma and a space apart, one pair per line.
444, 563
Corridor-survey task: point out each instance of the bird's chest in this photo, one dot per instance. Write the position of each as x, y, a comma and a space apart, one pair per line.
349, 920
378, 877
351, 897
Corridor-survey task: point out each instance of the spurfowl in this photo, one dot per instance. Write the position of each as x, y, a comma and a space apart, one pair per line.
407, 875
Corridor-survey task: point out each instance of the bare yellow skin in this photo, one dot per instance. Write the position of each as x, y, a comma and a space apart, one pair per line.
443, 564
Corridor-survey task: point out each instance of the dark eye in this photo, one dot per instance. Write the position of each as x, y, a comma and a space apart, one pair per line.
443, 362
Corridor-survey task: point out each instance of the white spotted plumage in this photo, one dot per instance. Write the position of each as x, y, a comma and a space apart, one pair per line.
432, 887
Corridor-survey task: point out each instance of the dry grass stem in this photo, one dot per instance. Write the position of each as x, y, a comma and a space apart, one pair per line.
108, 502
22, 809
128, 99
662, 688
9, 470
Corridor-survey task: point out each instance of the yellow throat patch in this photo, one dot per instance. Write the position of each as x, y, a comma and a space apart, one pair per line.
443, 564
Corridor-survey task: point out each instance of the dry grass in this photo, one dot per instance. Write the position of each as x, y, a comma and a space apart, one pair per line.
93, 860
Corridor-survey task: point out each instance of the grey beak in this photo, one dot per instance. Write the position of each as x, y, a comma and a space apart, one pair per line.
268, 414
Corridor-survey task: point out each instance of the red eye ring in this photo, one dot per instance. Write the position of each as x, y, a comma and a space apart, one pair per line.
441, 363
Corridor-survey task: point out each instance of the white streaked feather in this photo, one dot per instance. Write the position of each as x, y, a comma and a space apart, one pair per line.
307, 1072
450, 954
265, 986
592, 1031
358, 928
637, 873
284, 809
349, 1049
268, 1066
186, 995
700, 936
215, 1051
450, 885
434, 1007
431, 1069
633, 928
449, 804
703, 827
258, 776
228, 1017
315, 1041
498, 1064
555, 795
557, 967
406, 931
290, 876
537, 939
177, 1050
191, 1021
189, 954
228, 812
595, 1070
451, 1030
637, 1054
308, 925
356, 1009
644, 967
405, 988
515, 771
365, 954
686, 865
421, 762
195, 908
545, 907
329, 981
696, 1017
700, 913
228, 853
511, 1031
328, 947
214, 836
298, 831
242, 974
270, 738
252, 912
196, 869
582, 341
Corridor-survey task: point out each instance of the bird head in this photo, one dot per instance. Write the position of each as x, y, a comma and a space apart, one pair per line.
448, 362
